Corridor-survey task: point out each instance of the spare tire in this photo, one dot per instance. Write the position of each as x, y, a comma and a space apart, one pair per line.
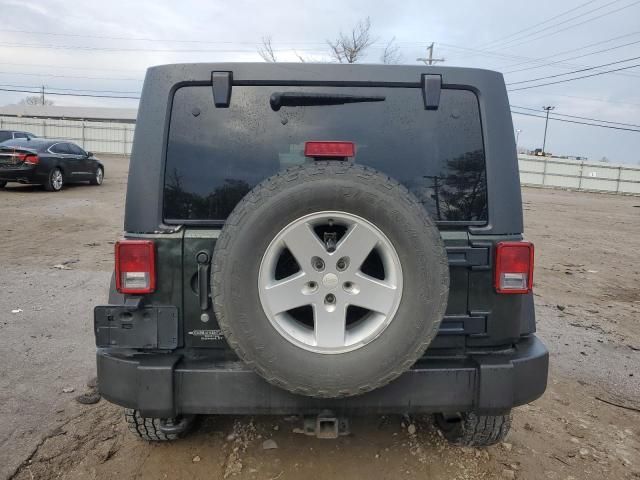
330, 279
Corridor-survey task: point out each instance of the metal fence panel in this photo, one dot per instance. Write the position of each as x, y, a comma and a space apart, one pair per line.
579, 175
99, 137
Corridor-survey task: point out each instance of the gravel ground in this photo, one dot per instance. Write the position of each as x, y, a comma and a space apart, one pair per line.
588, 305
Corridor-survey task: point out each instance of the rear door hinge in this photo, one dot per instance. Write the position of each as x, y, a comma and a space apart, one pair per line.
221, 85
431, 86
474, 257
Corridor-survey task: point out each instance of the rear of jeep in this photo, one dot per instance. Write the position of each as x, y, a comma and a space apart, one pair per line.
322, 240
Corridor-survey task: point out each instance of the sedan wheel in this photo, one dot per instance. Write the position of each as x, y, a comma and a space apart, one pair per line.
55, 181
98, 178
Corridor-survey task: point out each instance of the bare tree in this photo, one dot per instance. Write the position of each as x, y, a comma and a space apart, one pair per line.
349, 48
35, 100
391, 54
265, 50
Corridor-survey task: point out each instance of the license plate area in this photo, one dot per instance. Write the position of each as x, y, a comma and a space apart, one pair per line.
152, 327
8, 160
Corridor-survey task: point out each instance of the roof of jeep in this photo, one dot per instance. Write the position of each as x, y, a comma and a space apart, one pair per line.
319, 72
144, 206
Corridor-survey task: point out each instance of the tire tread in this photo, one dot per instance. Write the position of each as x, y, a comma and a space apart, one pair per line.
146, 428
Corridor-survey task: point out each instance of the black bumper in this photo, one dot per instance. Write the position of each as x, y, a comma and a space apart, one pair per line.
165, 385
22, 174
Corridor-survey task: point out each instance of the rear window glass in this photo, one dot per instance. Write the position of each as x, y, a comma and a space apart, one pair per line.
216, 155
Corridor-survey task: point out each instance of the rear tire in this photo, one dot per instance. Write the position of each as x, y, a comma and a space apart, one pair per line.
472, 430
55, 181
149, 429
3, 183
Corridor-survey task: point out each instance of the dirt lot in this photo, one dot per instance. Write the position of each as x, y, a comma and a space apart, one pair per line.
588, 306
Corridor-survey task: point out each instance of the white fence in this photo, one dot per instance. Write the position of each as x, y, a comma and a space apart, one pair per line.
95, 136
579, 175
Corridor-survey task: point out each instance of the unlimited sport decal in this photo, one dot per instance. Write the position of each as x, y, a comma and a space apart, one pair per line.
207, 334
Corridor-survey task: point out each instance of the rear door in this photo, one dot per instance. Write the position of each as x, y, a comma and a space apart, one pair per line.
216, 156
86, 168
67, 160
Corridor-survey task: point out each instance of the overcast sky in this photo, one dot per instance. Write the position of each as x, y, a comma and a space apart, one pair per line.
105, 47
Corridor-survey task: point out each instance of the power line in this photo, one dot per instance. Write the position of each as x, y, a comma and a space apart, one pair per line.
67, 67
67, 94
526, 59
147, 50
576, 78
70, 89
70, 76
574, 25
519, 41
576, 116
147, 39
586, 98
565, 28
574, 50
546, 35
557, 62
574, 71
577, 122
499, 40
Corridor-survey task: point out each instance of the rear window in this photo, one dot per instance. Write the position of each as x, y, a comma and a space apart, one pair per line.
216, 155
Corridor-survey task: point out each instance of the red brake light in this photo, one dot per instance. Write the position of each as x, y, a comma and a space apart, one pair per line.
514, 267
135, 266
329, 149
29, 158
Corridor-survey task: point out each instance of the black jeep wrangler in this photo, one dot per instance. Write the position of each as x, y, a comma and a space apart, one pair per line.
322, 240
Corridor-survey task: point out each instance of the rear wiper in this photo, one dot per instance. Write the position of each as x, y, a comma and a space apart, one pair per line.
300, 99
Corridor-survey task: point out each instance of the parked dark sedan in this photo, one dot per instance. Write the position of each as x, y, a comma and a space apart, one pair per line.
51, 163
11, 134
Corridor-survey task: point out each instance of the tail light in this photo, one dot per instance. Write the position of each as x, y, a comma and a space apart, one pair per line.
28, 158
135, 266
514, 267
329, 149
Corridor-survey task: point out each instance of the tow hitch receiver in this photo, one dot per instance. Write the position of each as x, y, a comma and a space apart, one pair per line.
325, 425
176, 425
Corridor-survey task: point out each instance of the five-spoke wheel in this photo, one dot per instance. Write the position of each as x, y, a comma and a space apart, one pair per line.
330, 282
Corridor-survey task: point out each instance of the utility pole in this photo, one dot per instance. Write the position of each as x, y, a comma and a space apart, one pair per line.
518, 132
42, 95
546, 122
430, 60
436, 193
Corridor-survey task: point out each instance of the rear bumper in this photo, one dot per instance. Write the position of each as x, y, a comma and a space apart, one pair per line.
21, 174
165, 385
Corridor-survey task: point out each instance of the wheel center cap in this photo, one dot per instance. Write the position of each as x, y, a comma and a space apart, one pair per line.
330, 280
